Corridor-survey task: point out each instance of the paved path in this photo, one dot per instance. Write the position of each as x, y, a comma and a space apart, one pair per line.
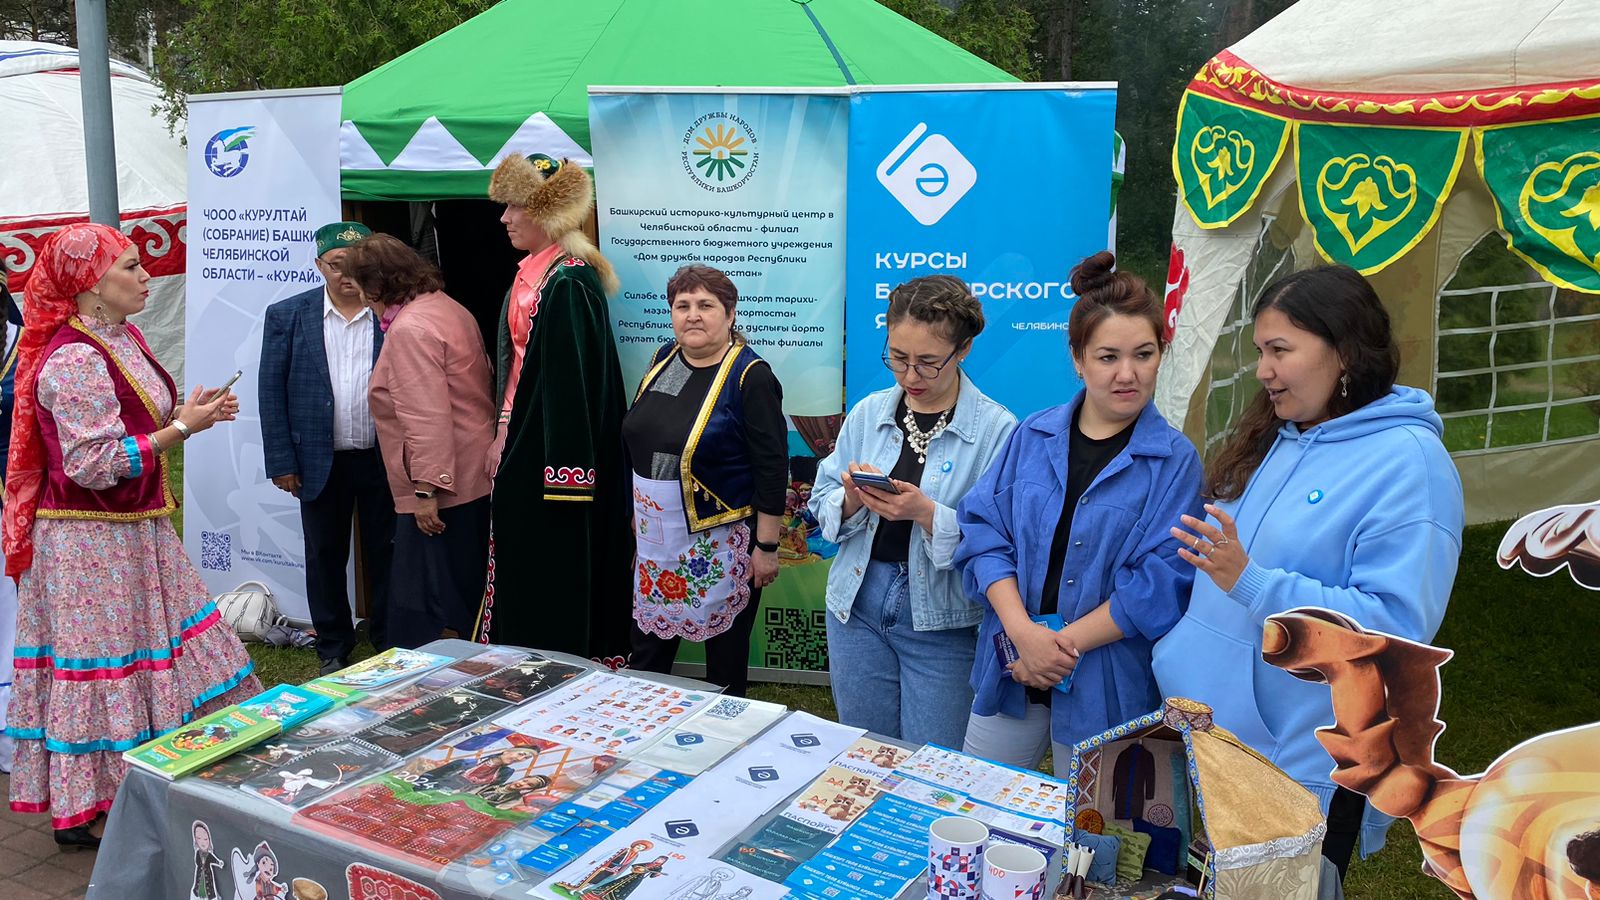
31, 867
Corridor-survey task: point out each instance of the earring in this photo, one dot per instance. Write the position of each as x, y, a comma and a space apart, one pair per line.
100, 314
1344, 385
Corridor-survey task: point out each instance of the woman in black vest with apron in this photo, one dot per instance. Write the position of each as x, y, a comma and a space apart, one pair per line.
708, 447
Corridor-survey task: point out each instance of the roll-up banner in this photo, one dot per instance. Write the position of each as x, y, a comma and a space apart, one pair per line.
263, 176
1005, 186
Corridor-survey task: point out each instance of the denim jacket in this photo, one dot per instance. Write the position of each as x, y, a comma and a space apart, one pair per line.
1121, 551
956, 457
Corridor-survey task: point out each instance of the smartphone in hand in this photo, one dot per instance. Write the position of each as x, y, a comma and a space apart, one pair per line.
217, 392
874, 480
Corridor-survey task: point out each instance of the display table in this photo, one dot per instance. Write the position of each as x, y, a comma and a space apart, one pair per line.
719, 798
147, 851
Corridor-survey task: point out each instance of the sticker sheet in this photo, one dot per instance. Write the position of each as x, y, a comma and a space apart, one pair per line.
615, 713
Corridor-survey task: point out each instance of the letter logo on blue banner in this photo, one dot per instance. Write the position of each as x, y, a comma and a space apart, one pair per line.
919, 206
927, 174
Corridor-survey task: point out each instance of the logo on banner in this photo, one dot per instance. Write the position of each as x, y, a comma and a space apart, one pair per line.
719, 152
927, 174
229, 150
804, 741
763, 773
689, 739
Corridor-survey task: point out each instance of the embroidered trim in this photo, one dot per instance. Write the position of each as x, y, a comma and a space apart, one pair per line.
1226, 76
149, 734
97, 516
65, 822
169, 504
685, 476
574, 498
95, 668
569, 477
1277, 848
135, 455
480, 633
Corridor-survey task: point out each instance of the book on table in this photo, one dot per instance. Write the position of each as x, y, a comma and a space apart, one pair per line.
289, 704
202, 742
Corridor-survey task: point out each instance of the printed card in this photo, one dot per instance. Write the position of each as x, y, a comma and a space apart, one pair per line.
834, 800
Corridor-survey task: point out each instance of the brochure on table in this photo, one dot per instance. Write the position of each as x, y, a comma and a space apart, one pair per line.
508, 769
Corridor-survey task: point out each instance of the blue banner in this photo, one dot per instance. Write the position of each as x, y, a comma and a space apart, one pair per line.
748, 183
1005, 189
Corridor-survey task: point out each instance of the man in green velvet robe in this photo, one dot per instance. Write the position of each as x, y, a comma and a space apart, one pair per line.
560, 571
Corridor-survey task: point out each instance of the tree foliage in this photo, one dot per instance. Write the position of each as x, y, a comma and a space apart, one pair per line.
232, 45
131, 25
1151, 48
998, 31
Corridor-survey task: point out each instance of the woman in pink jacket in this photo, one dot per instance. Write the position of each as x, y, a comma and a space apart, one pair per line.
434, 411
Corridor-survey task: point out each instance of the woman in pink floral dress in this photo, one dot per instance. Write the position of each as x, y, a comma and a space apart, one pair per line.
117, 639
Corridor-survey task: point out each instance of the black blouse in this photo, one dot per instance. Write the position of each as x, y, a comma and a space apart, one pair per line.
656, 429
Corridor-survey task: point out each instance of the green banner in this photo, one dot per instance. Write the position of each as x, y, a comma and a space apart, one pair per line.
1371, 194
1222, 156
1545, 179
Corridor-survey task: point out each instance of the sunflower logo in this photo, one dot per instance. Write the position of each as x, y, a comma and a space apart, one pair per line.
720, 156
719, 152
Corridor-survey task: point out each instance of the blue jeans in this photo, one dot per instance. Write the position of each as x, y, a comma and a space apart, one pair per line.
892, 679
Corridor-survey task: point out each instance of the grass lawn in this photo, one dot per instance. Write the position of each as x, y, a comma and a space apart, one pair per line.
1523, 666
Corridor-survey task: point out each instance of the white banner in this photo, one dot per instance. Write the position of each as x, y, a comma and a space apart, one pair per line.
263, 176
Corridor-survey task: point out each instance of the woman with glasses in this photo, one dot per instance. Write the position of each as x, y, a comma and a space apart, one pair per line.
901, 633
1066, 544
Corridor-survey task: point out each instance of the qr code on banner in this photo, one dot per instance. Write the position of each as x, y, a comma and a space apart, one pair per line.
216, 551
796, 639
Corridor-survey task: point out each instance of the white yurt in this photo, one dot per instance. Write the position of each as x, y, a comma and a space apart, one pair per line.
44, 182
1450, 151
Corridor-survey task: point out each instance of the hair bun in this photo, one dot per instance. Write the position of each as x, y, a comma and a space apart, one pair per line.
1094, 273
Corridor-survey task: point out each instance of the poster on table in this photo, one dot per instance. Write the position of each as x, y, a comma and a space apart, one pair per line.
753, 184
1003, 187
263, 176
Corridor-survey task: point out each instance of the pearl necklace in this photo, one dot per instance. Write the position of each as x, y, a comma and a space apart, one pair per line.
919, 440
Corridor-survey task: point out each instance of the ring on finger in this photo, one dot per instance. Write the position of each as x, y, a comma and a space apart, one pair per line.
1224, 540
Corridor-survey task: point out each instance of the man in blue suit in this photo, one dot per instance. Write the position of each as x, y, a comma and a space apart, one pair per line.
317, 352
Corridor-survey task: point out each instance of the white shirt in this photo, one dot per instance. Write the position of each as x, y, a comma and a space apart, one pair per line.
348, 345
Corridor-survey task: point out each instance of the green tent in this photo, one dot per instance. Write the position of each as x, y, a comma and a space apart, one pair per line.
433, 123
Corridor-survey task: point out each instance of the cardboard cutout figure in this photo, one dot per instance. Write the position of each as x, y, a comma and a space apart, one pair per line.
255, 878
1524, 829
206, 864
1550, 539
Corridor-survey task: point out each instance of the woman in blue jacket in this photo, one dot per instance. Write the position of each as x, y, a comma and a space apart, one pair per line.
1073, 520
900, 632
1335, 491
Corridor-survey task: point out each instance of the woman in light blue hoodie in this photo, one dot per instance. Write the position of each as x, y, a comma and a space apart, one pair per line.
1334, 491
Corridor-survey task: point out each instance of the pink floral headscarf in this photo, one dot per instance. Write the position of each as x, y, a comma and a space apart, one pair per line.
71, 261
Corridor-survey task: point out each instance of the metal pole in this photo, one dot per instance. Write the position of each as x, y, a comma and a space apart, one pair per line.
99, 145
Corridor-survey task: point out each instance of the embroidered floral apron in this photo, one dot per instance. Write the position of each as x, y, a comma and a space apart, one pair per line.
688, 585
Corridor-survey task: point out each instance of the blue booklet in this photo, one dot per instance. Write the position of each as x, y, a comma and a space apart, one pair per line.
289, 705
1007, 651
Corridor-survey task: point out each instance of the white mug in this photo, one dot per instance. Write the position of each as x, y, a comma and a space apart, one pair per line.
955, 858
1012, 872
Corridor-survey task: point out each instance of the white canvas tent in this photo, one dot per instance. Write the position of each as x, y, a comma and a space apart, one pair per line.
1451, 152
44, 185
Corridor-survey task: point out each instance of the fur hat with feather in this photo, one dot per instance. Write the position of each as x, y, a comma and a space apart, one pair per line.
559, 196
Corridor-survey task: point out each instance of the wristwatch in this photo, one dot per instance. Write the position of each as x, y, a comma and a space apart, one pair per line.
765, 546
425, 495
